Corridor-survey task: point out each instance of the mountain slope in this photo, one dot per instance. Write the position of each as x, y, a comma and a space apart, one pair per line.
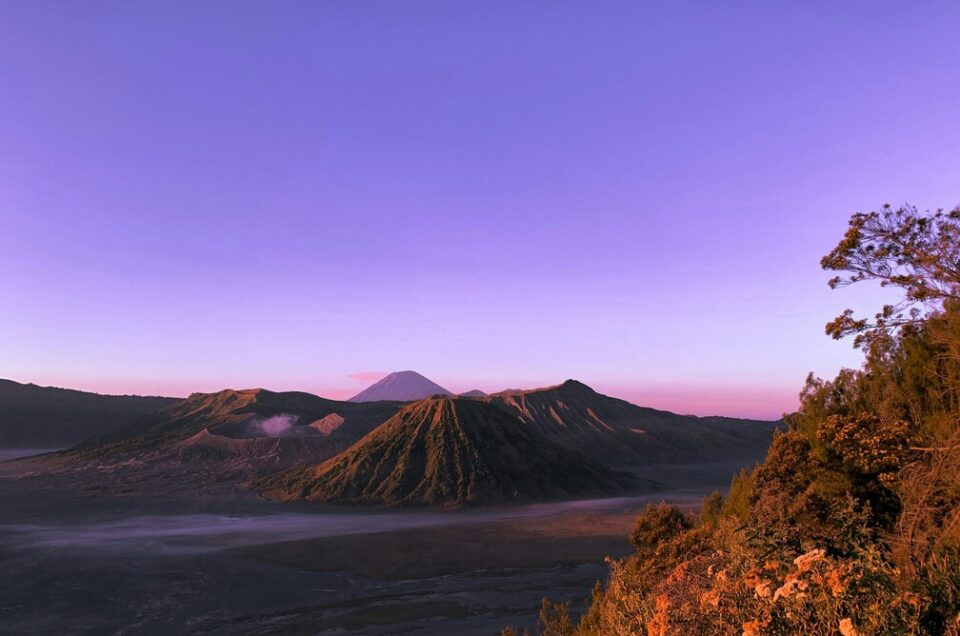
614, 431
32, 416
401, 386
447, 451
218, 438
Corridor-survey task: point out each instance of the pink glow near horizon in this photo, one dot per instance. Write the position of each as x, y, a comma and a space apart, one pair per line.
632, 194
367, 376
702, 400
733, 401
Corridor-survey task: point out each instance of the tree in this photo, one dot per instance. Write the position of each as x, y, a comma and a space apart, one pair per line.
657, 524
917, 252
711, 509
555, 619
852, 522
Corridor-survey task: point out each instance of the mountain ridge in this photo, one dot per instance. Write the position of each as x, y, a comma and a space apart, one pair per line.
447, 451
232, 436
616, 431
44, 416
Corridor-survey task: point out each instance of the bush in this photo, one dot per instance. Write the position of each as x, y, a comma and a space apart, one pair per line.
658, 523
555, 619
851, 525
711, 509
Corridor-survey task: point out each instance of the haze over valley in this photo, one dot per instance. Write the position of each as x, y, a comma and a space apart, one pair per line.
259, 481
479, 319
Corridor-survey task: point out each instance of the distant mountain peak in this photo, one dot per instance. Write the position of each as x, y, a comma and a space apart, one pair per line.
609, 429
577, 387
400, 386
566, 385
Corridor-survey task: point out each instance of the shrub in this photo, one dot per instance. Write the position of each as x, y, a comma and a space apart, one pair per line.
851, 525
555, 619
711, 509
659, 522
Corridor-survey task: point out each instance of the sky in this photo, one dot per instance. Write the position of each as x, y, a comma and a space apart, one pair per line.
307, 195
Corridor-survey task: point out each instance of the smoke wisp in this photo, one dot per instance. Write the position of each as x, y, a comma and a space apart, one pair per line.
281, 425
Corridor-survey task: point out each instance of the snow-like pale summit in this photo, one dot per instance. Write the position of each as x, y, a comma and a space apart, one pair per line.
402, 386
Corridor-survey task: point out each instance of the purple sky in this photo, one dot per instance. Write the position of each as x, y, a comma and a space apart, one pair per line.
636, 195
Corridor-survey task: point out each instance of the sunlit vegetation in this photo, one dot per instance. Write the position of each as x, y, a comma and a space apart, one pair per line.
852, 523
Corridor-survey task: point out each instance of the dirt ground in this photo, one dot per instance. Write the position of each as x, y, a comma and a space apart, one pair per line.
76, 561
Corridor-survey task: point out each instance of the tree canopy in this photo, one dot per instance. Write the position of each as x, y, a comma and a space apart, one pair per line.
851, 525
917, 252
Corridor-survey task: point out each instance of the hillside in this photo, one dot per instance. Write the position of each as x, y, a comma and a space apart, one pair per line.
218, 438
447, 451
232, 436
614, 431
401, 386
247, 413
33, 416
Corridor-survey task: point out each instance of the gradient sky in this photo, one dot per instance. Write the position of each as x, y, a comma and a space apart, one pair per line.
195, 195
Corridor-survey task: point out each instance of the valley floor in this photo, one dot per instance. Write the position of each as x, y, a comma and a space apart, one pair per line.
80, 563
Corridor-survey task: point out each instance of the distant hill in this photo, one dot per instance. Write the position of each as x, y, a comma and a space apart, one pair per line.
473, 393
247, 414
32, 416
447, 451
617, 432
219, 438
402, 386
232, 436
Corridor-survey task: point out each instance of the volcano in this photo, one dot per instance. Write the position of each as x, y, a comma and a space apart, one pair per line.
217, 440
400, 386
450, 452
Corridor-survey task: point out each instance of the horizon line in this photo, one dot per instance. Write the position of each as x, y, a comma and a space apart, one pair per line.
343, 395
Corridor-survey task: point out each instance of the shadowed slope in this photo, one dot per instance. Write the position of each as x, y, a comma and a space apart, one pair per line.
447, 451
36, 416
225, 437
235, 414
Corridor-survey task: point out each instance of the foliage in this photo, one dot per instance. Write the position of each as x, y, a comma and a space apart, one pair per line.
729, 592
555, 619
711, 510
737, 504
851, 525
658, 523
919, 253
